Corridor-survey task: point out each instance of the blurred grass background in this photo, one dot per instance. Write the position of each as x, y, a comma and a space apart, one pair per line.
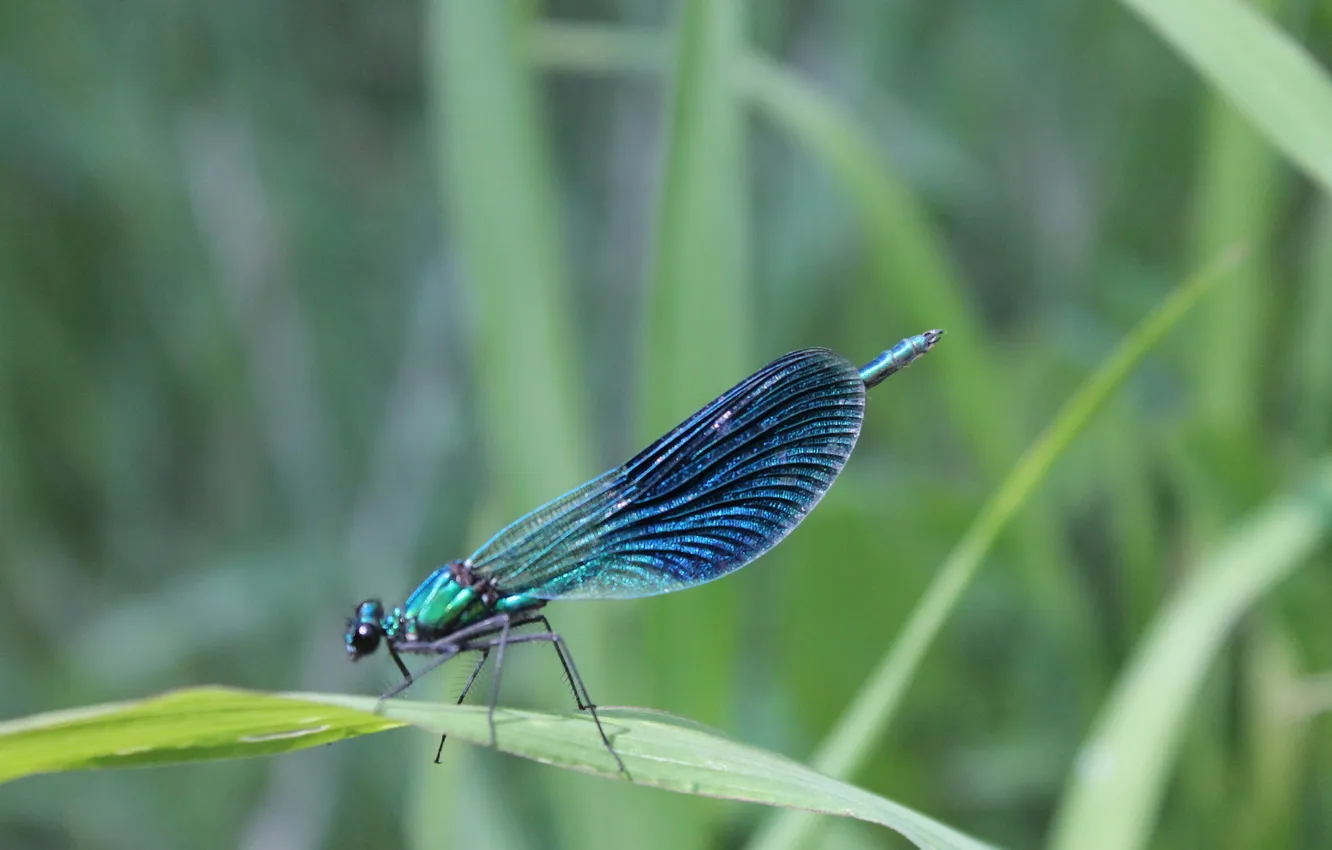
299, 300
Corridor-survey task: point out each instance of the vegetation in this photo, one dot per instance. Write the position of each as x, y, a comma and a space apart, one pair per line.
298, 301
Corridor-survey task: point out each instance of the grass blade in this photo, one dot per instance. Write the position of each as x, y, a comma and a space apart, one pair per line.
215, 723
181, 726
1260, 68
906, 251
1112, 801
697, 321
500, 195
697, 339
1278, 738
1235, 204
1313, 378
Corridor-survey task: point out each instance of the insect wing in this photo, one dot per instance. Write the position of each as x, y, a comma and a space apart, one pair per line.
516, 543
716, 492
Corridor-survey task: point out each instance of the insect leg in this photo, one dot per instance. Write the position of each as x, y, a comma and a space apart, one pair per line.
575, 683
570, 670
442, 654
485, 653
499, 644
397, 659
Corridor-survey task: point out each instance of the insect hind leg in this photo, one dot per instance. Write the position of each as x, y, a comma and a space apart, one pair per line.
581, 696
570, 671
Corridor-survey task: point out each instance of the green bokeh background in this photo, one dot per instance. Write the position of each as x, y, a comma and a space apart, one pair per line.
299, 300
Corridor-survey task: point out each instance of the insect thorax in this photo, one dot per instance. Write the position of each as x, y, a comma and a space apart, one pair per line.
451, 597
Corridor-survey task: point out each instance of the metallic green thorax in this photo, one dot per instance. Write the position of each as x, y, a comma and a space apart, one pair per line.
445, 602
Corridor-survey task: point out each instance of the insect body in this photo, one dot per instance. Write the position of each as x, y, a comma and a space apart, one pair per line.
720, 489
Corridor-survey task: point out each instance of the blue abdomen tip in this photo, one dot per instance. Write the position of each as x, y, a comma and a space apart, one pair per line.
898, 357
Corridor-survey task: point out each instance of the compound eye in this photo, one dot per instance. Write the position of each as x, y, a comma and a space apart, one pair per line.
370, 611
363, 640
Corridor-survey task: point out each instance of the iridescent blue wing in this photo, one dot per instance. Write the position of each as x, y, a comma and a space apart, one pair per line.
712, 495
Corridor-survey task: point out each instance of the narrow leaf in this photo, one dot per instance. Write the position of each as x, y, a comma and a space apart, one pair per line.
180, 726
1260, 68
215, 723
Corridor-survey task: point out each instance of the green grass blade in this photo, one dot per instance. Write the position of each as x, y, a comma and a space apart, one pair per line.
1278, 738
499, 192
598, 48
1235, 204
698, 306
1313, 365
500, 196
1260, 68
864, 723
1112, 800
906, 251
181, 726
699, 302
698, 311
1313, 695
216, 723
696, 342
